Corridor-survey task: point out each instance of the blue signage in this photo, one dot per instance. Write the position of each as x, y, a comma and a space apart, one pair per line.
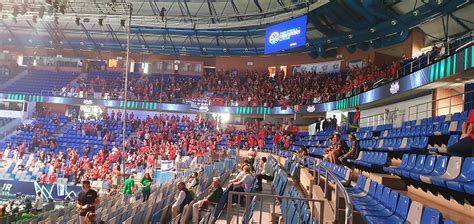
286, 35
49, 191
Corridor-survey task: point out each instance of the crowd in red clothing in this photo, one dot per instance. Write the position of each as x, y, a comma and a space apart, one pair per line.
159, 137
250, 88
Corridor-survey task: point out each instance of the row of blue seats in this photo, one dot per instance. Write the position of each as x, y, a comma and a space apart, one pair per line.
342, 173
379, 204
438, 170
395, 144
445, 128
370, 159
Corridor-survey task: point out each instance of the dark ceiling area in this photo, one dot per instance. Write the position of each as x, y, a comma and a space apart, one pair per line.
226, 27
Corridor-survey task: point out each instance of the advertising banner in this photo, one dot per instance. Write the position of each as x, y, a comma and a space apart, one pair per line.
50, 191
321, 67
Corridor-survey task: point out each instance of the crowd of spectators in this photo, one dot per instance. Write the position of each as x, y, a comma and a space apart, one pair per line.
244, 88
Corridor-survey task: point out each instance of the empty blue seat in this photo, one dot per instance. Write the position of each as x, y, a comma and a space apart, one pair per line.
465, 178
399, 216
439, 169
427, 168
404, 162
420, 161
431, 216
410, 164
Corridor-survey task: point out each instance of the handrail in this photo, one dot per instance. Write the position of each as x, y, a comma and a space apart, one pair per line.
275, 197
429, 105
349, 206
373, 120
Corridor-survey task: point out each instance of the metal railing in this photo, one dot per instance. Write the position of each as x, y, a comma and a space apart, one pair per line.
382, 118
268, 200
443, 106
329, 176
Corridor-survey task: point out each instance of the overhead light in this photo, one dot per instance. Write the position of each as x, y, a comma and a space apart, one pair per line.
372, 29
78, 21
101, 21
350, 36
122, 22
415, 13
394, 22
41, 12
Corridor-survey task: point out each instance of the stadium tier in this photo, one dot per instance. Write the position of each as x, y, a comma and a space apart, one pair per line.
224, 111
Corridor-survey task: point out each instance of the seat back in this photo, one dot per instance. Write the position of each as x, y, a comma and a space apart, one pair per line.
411, 162
405, 159
431, 216
379, 192
467, 169
415, 212
440, 166
429, 164
386, 196
420, 162
392, 202
402, 206
453, 139
454, 168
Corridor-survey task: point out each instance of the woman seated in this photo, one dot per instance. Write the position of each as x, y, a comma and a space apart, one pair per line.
335, 150
242, 183
353, 152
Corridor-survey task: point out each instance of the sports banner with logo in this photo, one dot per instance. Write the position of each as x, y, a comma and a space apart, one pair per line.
50, 191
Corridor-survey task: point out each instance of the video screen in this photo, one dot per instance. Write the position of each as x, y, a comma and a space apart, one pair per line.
286, 35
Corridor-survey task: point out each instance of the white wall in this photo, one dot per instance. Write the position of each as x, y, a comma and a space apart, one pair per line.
401, 106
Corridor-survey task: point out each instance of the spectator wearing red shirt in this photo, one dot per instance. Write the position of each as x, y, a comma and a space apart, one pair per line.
42, 178
53, 178
357, 117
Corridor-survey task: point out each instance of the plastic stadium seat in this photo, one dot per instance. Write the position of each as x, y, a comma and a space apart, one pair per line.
465, 178
431, 216
427, 168
399, 216
448, 221
385, 208
415, 213
405, 158
410, 164
453, 171
439, 170
420, 161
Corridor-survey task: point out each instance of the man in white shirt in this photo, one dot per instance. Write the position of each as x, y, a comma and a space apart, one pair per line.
184, 197
38, 206
267, 173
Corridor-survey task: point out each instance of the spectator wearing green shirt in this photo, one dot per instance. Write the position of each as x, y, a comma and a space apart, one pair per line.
146, 182
128, 188
210, 201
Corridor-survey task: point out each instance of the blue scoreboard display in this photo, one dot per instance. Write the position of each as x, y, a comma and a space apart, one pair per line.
286, 35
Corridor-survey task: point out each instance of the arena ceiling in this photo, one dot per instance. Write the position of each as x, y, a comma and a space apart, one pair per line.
224, 27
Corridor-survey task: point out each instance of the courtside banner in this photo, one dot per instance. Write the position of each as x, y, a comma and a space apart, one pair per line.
50, 191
